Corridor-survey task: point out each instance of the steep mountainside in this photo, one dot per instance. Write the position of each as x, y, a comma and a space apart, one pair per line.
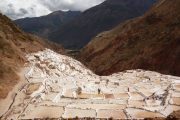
150, 42
41, 26
77, 33
14, 44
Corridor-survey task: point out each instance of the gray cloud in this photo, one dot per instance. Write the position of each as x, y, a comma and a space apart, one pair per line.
23, 11
16, 9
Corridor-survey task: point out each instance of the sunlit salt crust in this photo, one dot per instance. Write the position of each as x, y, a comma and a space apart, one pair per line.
54, 79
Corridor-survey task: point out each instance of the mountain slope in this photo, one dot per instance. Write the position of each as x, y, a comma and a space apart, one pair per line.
77, 33
150, 42
14, 44
41, 26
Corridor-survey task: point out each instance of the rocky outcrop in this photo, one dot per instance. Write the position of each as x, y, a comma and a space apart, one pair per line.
150, 42
54, 82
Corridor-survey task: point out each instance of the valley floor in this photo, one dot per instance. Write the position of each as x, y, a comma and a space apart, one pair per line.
58, 86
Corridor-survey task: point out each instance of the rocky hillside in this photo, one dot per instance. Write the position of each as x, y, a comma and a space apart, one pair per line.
77, 33
42, 26
150, 42
14, 44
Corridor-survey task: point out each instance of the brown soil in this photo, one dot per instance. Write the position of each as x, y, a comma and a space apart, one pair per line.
150, 42
14, 44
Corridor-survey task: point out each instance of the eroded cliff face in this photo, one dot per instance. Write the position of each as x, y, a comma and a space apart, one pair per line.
14, 44
150, 42
58, 86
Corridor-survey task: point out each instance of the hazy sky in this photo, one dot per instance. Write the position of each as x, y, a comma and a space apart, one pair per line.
16, 9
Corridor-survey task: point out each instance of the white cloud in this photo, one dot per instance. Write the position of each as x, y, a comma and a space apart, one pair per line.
16, 9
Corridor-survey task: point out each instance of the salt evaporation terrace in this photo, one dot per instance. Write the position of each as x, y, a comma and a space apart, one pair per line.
61, 87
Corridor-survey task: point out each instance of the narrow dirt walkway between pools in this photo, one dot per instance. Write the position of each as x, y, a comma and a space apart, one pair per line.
6, 104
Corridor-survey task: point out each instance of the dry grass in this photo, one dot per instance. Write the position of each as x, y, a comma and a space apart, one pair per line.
150, 42
14, 44
8, 78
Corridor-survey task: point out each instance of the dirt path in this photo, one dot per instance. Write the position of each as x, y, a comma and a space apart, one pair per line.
5, 104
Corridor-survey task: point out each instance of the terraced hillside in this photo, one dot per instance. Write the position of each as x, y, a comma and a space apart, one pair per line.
59, 87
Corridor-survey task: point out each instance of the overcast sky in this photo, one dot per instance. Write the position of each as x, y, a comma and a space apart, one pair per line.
16, 9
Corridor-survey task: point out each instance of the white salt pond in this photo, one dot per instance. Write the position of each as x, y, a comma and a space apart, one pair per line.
58, 86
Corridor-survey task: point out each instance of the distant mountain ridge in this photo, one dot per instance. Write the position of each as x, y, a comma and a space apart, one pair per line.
74, 29
41, 26
149, 42
78, 32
